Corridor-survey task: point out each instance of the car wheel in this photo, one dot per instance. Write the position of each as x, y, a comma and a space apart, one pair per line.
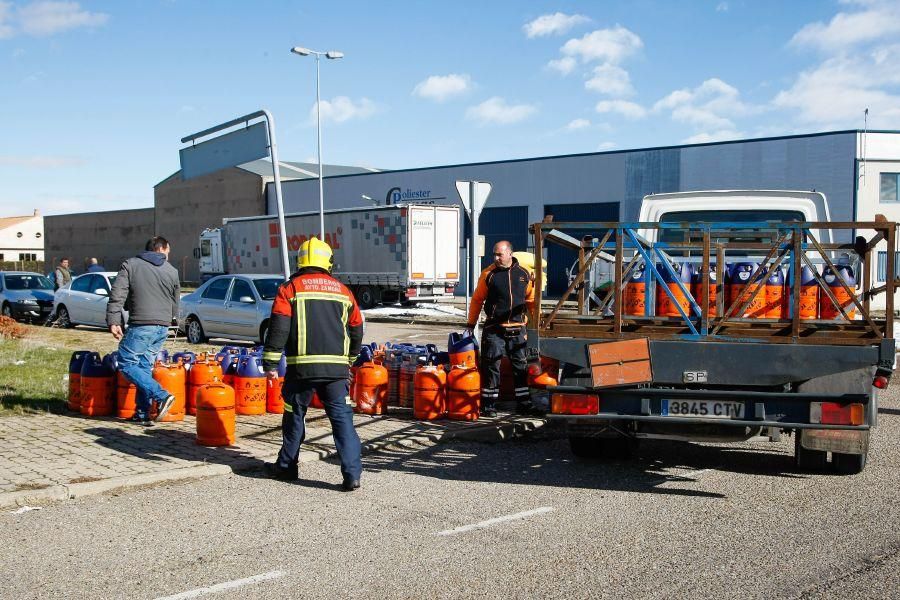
7, 310
194, 331
263, 331
63, 319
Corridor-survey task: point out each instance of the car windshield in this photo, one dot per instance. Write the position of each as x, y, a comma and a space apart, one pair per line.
267, 288
28, 282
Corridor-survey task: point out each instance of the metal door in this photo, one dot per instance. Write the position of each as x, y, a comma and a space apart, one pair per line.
241, 318
559, 259
211, 309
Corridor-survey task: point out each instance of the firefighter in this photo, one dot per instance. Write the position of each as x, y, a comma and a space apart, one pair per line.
316, 322
506, 292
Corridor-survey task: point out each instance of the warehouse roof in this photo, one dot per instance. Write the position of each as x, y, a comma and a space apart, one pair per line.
12, 221
301, 170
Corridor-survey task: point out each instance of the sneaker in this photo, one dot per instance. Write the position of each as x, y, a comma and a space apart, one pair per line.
350, 484
142, 421
284, 474
163, 407
488, 411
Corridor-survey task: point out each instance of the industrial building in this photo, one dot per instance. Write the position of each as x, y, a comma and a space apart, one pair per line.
858, 172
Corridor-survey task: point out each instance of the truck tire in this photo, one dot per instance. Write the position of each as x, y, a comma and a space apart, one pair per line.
808, 460
367, 296
848, 464
585, 447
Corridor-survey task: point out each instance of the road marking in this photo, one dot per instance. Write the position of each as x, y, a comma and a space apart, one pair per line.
221, 587
497, 521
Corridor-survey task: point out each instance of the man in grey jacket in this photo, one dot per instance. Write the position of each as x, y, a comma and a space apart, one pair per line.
148, 288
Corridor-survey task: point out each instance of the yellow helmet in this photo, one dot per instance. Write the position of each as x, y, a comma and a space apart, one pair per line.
315, 253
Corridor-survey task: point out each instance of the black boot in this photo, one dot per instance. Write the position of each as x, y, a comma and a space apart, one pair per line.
284, 474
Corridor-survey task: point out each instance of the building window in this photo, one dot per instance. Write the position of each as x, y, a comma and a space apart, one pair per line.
882, 266
1, 258
18, 234
38, 235
27, 256
888, 190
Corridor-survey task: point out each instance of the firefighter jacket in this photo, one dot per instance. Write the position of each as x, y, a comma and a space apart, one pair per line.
507, 294
317, 323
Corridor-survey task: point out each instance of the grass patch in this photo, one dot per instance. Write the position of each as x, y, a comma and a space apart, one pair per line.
32, 377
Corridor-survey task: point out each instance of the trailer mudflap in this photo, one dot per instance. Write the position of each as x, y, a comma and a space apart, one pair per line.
625, 362
844, 441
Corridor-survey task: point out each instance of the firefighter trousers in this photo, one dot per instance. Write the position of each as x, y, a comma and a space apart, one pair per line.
497, 342
335, 397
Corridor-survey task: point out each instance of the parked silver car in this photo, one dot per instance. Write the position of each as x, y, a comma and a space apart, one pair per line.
25, 296
234, 307
83, 301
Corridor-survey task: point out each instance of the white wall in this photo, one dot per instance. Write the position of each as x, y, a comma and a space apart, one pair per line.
31, 239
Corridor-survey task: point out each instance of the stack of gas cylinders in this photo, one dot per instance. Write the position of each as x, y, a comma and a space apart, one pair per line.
771, 301
216, 386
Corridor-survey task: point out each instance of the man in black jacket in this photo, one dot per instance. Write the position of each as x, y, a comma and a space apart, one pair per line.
316, 322
147, 286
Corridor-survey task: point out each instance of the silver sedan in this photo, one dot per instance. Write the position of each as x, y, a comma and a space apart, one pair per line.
235, 307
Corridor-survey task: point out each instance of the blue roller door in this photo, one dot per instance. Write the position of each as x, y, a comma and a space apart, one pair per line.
558, 258
503, 223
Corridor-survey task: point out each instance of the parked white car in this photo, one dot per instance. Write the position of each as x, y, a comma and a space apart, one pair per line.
234, 307
84, 300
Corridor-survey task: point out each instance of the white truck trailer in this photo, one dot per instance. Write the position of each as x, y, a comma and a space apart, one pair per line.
405, 252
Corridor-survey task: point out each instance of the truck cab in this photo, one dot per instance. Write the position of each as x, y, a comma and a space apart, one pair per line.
211, 254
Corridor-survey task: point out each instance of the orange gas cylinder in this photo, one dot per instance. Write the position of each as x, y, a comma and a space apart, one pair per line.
98, 387
370, 389
75, 364
429, 401
274, 401
774, 295
126, 397
633, 300
463, 349
201, 373
666, 306
463, 393
697, 288
808, 307
250, 386
407, 380
827, 308
739, 285
315, 402
215, 415
171, 378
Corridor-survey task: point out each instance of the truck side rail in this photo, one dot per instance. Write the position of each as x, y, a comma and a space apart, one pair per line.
780, 243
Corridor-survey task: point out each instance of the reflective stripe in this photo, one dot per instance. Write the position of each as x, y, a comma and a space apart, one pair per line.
272, 356
521, 389
301, 326
344, 319
288, 407
334, 297
308, 359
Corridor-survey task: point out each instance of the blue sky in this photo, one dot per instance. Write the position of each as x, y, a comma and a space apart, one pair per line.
97, 94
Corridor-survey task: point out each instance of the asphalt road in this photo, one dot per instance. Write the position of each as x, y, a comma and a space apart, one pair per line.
517, 519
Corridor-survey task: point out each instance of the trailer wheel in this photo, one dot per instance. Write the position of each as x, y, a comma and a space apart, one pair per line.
808, 460
848, 464
367, 296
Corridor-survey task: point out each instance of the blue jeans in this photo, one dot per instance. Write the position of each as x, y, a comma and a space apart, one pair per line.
137, 351
333, 394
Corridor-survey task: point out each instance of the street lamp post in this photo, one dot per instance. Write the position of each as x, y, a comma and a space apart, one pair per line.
333, 55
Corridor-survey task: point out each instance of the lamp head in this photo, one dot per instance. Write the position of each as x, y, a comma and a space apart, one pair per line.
300, 50
334, 54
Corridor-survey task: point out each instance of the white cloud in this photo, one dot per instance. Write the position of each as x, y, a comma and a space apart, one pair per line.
836, 92
555, 24
878, 20
45, 18
443, 87
496, 111
722, 7
715, 136
602, 146
629, 110
711, 105
576, 124
41, 162
610, 80
607, 45
18, 53
564, 65
342, 108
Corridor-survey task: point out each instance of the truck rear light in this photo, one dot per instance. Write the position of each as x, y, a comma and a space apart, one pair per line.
881, 382
834, 413
412, 292
449, 289
574, 404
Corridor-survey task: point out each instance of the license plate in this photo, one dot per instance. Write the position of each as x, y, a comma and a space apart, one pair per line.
707, 409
